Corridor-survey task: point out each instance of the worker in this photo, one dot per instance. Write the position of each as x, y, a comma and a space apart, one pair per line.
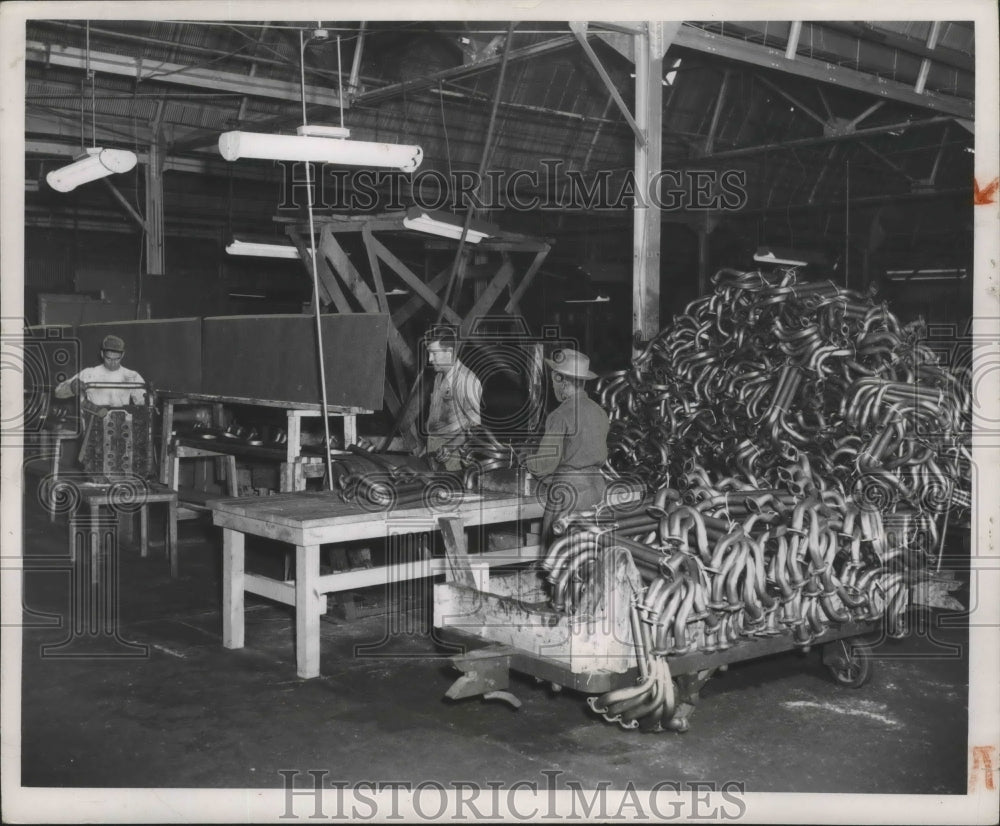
456, 399
574, 446
110, 371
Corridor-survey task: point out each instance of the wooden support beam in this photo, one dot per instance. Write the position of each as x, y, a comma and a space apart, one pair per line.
369, 239
486, 301
329, 288
410, 308
412, 280
338, 259
529, 276
154, 210
646, 217
455, 552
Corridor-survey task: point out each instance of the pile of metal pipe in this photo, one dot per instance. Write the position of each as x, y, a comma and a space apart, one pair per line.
768, 372
724, 566
793, 440
384, 491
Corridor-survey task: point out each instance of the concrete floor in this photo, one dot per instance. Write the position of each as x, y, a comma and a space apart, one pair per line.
190, 713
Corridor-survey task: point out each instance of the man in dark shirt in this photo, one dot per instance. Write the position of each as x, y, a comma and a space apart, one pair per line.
574, 446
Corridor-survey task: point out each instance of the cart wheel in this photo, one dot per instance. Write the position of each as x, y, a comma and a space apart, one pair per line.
850, 664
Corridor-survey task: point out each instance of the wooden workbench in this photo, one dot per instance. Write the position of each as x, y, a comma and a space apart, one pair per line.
292, 478
308, 520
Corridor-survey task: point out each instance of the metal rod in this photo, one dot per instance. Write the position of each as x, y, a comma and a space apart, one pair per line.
315, 278
847, 223
340, 84
302, 76
454, 277
352, 83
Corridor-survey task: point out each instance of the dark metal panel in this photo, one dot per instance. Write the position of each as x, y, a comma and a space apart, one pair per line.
274, 358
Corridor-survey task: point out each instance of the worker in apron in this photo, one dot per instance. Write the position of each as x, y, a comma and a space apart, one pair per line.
574, 446
456, 398
97, 401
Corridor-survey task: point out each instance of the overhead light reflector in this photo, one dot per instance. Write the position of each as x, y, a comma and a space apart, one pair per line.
446, 225
319, 144
261, 250
97, 163
776, 255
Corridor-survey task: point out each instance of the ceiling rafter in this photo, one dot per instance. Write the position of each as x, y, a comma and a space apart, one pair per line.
175, 73
692, 37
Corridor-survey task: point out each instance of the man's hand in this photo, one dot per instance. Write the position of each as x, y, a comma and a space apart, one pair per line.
101, 412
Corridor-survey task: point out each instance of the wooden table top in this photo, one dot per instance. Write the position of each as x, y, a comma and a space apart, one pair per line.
325, 509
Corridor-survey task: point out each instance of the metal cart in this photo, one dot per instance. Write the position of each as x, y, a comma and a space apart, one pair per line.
505, 624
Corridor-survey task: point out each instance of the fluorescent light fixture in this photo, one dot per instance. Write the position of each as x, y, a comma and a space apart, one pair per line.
768, 256
446, 225
397, 291
97, 163
927, 274
319, 144
261, 250
600, 299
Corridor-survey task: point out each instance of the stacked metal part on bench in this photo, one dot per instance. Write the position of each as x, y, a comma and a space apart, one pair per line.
780, 428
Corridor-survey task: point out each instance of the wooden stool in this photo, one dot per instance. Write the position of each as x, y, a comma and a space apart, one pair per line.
180, 451
94, 497
51, 445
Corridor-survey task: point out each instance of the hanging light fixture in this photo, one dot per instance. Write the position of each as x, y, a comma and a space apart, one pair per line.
96, 162
320, 144
435, 222
262, 250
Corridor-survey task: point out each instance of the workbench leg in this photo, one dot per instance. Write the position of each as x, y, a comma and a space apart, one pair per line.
232, 588
144, 530
350, 430
219, 418
307, 610
293, 436
95, 544
172, 549
166, 425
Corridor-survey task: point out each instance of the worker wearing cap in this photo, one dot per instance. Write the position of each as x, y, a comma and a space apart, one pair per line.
109, 371
574, 446
456, 399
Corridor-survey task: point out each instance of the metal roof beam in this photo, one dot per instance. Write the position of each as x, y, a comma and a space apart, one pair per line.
580, 33
948, 57
691, 37
796, 144
163, 72
427, 81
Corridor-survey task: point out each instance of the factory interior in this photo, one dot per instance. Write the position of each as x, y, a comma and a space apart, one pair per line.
497, 404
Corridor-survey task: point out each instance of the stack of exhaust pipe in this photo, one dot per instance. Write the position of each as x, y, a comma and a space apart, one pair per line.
777, 428
766, 371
